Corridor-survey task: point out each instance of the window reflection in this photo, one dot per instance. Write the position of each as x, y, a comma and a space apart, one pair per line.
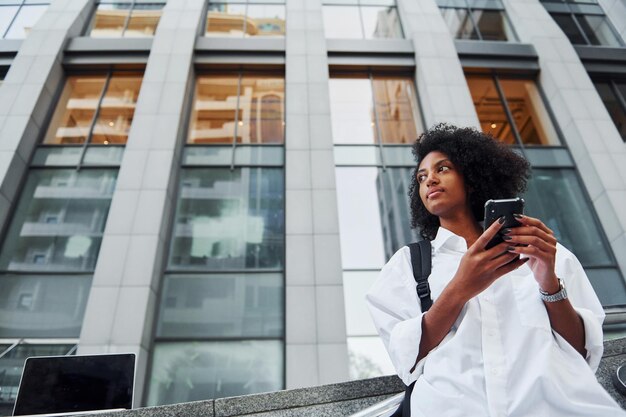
525, 104
567, 213
59, 221
248, 109
394, 119
598, 30
193, 371
229, 219
125, 20
234, 305
27, 16
374, 20
79, 102
237, 19
477, 20
613, 94
42, 306
378, 199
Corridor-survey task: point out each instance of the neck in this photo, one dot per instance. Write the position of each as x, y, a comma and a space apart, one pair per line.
464, 225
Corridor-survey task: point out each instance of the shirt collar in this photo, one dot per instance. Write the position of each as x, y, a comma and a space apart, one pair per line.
445, 238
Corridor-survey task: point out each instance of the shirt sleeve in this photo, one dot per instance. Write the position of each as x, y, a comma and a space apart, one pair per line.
395, 309
585, 301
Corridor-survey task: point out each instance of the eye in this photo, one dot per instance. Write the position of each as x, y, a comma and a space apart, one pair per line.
444, 168
421, 178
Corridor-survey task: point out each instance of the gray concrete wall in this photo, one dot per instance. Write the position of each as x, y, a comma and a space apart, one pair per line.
591, 135
316, 331
123, 301
28, 91
441, 85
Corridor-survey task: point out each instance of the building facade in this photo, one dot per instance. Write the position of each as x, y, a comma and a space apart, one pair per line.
213, 185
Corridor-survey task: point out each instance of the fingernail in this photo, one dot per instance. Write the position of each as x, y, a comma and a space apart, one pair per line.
525, 259
507, 237
510, 248
501, 220
505, 231
517, 216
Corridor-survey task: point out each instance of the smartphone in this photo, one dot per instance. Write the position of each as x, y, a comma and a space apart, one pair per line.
494, 209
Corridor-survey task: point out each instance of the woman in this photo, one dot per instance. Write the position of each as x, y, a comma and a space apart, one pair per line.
491, 344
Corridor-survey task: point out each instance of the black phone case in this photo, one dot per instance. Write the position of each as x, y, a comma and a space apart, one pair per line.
494, 209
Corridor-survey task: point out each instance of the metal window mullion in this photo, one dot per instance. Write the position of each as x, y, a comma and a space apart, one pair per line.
618, 94
72, 350
580, 29
509, 115
127, 21
236, 130
245, 23
376, 122
19, 9
471, 17
96, 113
359, 6
10, 348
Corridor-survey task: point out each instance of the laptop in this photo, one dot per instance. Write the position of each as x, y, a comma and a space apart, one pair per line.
63, 385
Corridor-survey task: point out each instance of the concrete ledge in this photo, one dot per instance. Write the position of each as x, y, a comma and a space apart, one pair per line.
335, 399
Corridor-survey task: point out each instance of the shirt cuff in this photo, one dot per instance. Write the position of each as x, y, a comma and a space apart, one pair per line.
404, 344
594, 344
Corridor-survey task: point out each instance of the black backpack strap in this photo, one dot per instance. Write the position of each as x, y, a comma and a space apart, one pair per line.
421, 262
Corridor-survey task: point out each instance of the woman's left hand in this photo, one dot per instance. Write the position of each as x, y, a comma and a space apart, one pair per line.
539, 245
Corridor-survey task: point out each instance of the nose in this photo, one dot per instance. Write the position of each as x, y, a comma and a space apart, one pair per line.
432, 179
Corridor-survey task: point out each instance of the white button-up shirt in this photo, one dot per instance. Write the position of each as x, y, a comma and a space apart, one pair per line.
501, 357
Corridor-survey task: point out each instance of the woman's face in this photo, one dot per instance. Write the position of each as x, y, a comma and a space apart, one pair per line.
441, 185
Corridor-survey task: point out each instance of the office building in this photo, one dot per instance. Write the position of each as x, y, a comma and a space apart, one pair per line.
213, 185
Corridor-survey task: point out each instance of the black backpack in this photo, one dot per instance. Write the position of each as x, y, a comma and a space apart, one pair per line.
421, 262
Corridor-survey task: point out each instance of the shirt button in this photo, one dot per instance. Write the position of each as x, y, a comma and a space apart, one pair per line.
495, 372
491, 333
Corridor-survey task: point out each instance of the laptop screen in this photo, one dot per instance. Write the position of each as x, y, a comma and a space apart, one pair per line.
61, 384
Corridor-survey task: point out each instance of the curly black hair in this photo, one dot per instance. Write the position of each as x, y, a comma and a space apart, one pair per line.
490, 169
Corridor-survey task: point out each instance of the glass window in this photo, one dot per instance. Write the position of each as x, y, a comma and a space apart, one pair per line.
42, 306
342, 22
477, 20
248, 108
613, 94
598, 30
369, 20
377, 198
459, 23
233, 305
368, 358
193, 371
567, 213
355, 120
493, 25
7, 14
229, 219
78, 201
530, 117
117, 109
27, 16
12, 364
82, 98
129, 19
570, 28
238, 19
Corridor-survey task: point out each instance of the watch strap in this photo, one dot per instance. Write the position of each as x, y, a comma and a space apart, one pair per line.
557, 296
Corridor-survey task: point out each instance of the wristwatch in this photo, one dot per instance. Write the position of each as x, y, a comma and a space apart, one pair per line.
557, 296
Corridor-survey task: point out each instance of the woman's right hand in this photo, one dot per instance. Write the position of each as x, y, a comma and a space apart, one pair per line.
480, 267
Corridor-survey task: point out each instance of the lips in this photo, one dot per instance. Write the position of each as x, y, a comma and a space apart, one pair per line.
433, 192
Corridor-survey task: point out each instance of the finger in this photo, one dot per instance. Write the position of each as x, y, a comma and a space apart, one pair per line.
530, 230
532, 241
511, 266
527, 220
488, 234
502, 260
530, 251
497, 250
